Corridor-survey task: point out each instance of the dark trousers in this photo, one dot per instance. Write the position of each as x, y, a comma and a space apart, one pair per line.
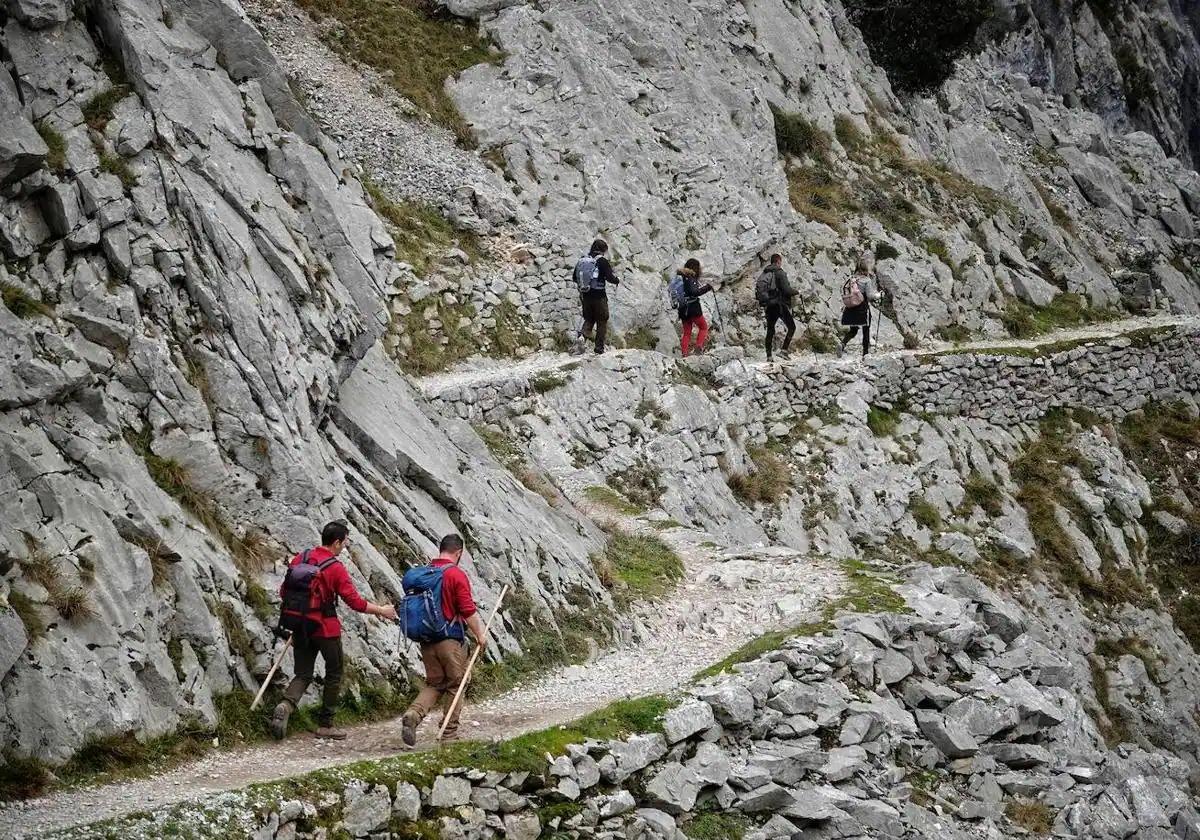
853, 331
595, 317
305, 652
779, 312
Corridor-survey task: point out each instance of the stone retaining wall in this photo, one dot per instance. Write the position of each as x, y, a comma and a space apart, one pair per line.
1110, 376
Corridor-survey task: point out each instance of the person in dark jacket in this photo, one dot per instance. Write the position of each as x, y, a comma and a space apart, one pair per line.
593, 274
779, 307
858, 316
691, 313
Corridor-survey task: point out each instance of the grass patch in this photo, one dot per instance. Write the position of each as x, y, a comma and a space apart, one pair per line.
28, 612
848, 134
420, 232
636, 567
513, 459
98, 110
56, 145
1031, 815
423, 349
1022, 320
954, 333
640, 483
867, 591
612, 499
22, 304
117, 165
925, 514
799, 137
643, 338
413, 44
547, 381
983, 494
23, 777
652, 412
885, 251
714, 825
816, 194
883, 421
768, 482
1111, 649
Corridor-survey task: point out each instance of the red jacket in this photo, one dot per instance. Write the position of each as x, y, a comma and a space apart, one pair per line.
336, 580
457, 602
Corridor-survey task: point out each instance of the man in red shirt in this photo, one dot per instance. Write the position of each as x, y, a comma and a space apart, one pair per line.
446, 661
326, 636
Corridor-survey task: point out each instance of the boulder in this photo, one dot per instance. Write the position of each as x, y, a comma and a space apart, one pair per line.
22, 149
710, 765
949, 736
449, 792
366, 809
674, 788
407, 804
630, 756
522, 826
687, 719
844, 763
39, 14
731, 703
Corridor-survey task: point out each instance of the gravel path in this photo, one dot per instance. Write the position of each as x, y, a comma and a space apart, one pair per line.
728, 596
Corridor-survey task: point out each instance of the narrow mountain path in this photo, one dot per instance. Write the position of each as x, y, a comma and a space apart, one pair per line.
728, 596
476, 372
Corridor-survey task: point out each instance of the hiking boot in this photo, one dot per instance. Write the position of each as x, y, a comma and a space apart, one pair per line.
408, 729
279, 720
841, 351
330, 733
785, 353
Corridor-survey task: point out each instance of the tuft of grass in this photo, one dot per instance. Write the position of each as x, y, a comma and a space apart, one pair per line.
1031, 815
954, 333
421, 233
72, 603
117, 165
22, 777
640, 483
98, 110
849, 134
816, 194
637, 567
653, 412
1110, 649
867, 591
925, 514
797, 136
716, 825
22, 304
610, 498
983, 494
28, 612
56, 145
415, 46
883, 422
547, 381
768, 482
643, 338
513, 459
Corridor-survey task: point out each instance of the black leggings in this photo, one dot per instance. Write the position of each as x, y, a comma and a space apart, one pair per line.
853, 331
779, 312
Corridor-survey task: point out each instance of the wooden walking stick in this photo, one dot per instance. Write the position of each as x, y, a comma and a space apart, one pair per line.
462, 686
266, 682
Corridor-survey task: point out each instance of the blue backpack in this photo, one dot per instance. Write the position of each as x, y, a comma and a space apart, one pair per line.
421, 616
677, 292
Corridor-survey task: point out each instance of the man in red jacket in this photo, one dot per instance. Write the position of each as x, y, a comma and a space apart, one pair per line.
446, 661
326, 636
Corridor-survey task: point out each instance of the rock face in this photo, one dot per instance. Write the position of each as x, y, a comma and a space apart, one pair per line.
194, 302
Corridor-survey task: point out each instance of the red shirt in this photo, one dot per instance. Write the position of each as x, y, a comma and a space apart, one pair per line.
457, 602
336, 580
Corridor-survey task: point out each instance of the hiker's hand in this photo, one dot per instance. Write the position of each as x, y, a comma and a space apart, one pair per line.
388, 612
482, 642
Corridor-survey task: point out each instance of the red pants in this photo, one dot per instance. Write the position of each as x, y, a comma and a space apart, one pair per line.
702, 333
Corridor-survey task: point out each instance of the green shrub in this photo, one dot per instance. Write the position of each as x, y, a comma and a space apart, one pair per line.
883, 422
547, 381
917, 42
415, 45
885, 251
768, 482
797, 136
714, 825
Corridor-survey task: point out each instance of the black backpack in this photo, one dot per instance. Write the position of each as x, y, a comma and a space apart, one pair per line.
305, 592
765, 288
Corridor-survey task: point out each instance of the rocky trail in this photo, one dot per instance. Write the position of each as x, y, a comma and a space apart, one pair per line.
477, 372
728, 595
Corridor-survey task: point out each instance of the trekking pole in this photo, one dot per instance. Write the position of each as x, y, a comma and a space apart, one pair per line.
278, 661
462, 686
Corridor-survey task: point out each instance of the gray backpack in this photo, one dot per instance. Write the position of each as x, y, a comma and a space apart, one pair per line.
587, 274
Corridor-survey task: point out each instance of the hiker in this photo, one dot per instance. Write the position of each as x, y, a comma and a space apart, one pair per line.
775, 294
685, 293
858, 293
315, 580
443, 647
592, 275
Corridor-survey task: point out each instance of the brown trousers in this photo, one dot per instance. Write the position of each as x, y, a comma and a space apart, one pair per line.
445, 663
